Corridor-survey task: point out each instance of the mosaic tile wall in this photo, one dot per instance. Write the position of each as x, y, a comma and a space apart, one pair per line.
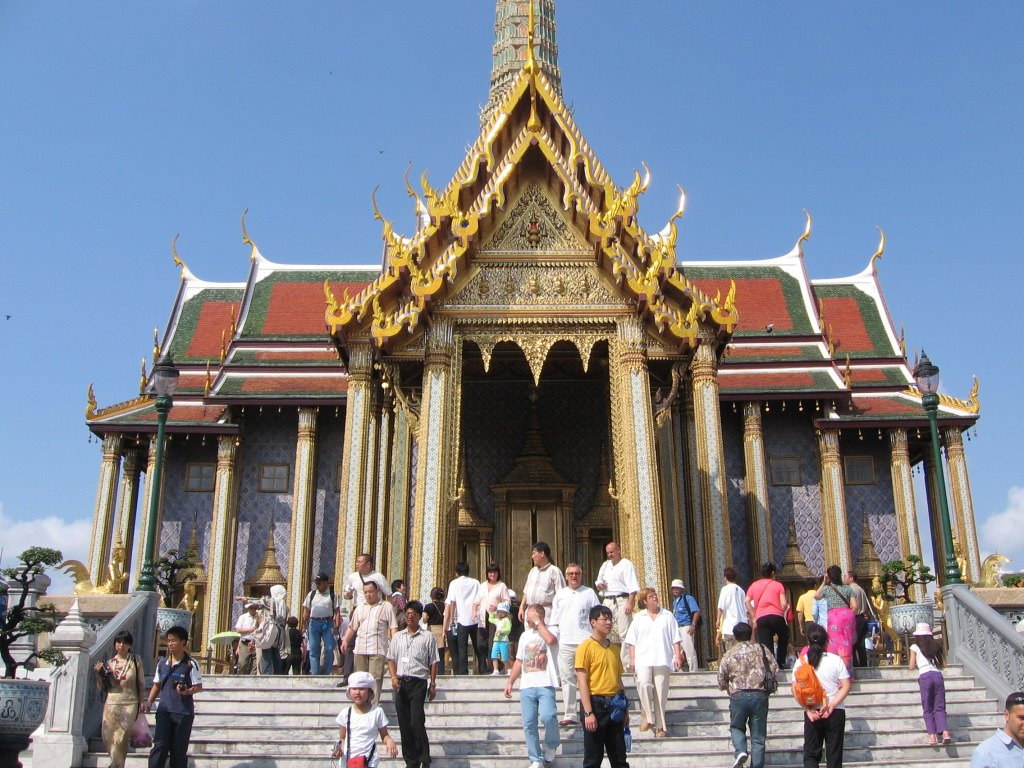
182, 508
732, 445
792, 434
268, 438
330, 437
875, 500
573, 427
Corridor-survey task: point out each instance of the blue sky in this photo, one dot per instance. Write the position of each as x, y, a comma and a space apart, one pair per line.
124, 123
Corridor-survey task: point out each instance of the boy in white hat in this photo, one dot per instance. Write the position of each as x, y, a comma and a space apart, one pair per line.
502, 629
360, 724
687, 616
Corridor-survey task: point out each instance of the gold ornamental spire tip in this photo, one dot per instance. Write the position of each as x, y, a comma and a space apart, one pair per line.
880, 250
177, 259
254, 252
807, 233
531, 27
90, 404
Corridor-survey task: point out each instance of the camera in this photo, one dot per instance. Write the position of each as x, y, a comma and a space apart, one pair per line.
182, 680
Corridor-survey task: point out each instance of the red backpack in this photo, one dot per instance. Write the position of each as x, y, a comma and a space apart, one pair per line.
807, 688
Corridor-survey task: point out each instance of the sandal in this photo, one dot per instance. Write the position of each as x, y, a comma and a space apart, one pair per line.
932, 740
947, 738
662, 733
645, 726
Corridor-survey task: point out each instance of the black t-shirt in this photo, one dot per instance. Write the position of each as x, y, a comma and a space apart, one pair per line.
294, 641
434, 613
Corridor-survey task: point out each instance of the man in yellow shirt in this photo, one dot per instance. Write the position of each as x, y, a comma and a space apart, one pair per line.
805, 605
599, 678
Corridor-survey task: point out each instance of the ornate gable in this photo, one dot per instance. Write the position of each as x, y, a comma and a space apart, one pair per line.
534, 227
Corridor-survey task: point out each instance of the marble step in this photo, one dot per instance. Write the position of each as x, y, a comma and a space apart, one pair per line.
955, 756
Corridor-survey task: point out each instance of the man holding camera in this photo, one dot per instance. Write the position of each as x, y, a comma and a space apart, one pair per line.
176, 681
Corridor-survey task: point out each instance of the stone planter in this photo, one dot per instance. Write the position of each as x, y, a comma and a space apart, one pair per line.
172, 617
906, 617
22, 708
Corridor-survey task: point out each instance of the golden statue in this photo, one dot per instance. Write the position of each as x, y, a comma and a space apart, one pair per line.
961, 559
881, 607
116, 579
188, 600
990, 570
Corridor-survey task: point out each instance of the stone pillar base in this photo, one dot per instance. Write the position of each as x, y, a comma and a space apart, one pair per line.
54, 751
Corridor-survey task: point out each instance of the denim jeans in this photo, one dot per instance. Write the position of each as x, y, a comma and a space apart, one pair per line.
321, 632
749, 709
534, 701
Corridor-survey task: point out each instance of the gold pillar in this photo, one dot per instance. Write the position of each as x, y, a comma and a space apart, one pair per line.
759, 522
103, 515
353, 506
835, 531
961, 505
434, 529
903, 497
398, 546
128, 501
644, 534
931, 487
714, 501
369, 518
381, 523
300, 550
701, 569
223, 539
147, 491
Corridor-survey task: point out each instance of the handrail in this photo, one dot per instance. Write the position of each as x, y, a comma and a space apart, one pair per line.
137, 618
983, 641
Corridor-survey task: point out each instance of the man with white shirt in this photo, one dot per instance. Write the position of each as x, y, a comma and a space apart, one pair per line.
461, 606
543, 581
363, 574
321, 616
618, 585
570, 618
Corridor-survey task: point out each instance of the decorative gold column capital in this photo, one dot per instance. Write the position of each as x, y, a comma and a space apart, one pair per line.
111, 446
953, 439
828, 444
360, 360
899, 444
752, 418
440, 344
227, 448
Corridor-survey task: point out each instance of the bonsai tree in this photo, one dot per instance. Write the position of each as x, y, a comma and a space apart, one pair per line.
899, 576
171, 572
19, 620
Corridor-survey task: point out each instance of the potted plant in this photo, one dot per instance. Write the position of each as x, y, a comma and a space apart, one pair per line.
24, 701
171, 572
897, 580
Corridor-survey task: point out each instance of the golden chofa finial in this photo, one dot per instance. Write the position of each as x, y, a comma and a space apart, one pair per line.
143, 381
176, 257
881, 248
90, 406
156, 344
848, 373
208, 384
807, 233
254, 252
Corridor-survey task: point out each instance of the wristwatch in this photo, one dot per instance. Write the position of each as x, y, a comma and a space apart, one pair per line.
587, 714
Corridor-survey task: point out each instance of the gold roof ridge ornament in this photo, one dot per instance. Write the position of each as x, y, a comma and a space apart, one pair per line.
186, 273
254, 252
90, 403
806, 235
143, 380
972, 404
878, 251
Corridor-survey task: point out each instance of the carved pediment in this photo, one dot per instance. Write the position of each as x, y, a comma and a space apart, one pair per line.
535, 226
500, 288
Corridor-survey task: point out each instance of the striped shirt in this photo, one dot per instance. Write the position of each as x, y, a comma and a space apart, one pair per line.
413, 654
371, 624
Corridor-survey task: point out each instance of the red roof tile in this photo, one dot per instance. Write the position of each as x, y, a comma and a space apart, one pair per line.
297, 308
844, 316
760, 301
214, 319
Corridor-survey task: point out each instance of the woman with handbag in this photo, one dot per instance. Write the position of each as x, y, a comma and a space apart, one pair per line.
121, 678
359, 726
842, 615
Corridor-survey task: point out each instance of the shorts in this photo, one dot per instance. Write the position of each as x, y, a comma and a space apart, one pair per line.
499, 650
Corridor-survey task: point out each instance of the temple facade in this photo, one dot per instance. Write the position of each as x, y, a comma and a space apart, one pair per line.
528, 364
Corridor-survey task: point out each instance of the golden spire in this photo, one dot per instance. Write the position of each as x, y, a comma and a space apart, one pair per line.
807, 233
90, 406
531, 63
870, 564
208, 384
268, 572
881, 248
794, 566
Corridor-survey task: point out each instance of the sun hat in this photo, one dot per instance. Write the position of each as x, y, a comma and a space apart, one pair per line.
361, 680
253, 604
678, 583
923, 629
504, 608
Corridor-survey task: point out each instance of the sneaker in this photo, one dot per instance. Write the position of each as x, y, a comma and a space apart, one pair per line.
549, 754
495, 673
741, 758
536, 764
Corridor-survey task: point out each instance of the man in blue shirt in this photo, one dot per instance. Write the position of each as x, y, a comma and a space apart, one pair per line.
687, 614
1006, 748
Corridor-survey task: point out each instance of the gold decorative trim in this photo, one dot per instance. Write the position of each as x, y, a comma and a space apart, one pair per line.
972, 404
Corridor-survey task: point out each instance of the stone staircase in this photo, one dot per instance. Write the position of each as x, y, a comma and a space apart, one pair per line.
287, 722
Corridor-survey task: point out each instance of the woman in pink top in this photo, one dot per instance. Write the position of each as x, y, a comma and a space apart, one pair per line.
493, 593
767, 603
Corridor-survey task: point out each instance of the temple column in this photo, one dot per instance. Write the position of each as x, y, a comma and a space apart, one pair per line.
673, 481
643, 535
434, 532
903, 496
931, 488
354, 506
714, 503
368, 521
961, 503
103, 515
835, 531
147, 489
756, 481
300, 553
127, 502
398, 530
383, 470
699, 568
223, 535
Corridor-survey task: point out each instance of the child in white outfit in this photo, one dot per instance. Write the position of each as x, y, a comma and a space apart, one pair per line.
360, 724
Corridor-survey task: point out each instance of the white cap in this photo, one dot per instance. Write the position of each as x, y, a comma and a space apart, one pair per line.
678, 583
361, 680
